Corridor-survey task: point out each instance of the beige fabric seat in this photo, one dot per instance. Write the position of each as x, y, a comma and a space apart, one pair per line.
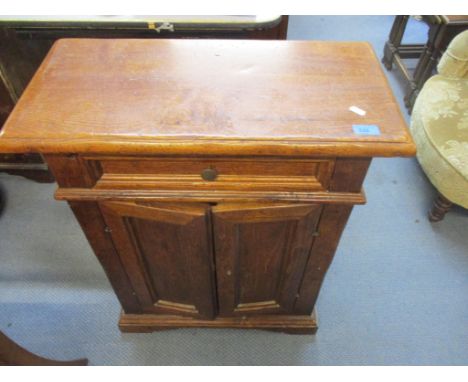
439, 125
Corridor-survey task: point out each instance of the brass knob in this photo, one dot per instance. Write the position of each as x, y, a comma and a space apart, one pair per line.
209, 174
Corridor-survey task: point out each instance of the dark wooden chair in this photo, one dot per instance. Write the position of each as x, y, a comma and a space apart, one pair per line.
11, 354
442, 29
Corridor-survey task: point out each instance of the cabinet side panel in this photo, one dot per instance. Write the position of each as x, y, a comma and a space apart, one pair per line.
92, 223
349, 174
70, 170
331, 225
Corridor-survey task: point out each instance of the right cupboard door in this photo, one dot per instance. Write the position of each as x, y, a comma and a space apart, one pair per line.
261, 253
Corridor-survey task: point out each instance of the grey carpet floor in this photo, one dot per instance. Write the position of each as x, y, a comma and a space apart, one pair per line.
396, 293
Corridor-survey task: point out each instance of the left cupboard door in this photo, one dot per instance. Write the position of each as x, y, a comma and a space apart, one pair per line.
167, 253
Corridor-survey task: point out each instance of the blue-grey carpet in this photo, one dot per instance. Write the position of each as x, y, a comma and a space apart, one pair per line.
396, 293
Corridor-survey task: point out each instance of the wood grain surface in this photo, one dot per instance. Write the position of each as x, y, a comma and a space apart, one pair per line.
209, 97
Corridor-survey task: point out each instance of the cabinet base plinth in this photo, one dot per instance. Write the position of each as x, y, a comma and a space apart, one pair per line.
145, 323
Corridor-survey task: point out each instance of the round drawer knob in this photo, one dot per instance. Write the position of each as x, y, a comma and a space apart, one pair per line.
209, 174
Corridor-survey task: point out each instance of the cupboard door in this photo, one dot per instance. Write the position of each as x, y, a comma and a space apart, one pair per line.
261, 252
166, 250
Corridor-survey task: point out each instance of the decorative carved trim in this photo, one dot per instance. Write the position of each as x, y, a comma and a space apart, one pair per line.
84, 194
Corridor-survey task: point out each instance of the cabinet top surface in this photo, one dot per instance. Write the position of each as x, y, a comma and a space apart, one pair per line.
208, 97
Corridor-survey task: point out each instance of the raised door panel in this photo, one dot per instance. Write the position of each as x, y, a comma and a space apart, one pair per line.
261, 252
166, 250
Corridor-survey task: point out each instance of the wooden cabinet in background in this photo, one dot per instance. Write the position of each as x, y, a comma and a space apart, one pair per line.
213, 188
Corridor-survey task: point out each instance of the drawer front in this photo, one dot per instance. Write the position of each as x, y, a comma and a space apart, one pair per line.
259, 174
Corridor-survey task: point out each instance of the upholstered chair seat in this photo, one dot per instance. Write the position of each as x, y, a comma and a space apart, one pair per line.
439, 126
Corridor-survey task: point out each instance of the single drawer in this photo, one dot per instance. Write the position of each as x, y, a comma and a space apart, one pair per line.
249, 174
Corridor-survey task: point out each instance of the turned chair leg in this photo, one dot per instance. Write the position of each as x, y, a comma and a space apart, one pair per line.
439, 209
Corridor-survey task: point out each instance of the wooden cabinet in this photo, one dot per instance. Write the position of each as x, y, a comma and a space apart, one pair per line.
211, 256
213, 188
220, 263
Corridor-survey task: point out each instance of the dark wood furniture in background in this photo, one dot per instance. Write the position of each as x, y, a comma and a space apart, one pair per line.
6, 101
442, 29
212, 178
12, 354
25, 40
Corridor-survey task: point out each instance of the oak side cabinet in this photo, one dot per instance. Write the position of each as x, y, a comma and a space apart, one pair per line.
212, 178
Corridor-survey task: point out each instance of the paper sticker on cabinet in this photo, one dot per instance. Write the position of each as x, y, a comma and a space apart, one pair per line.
357, 110
366, 129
